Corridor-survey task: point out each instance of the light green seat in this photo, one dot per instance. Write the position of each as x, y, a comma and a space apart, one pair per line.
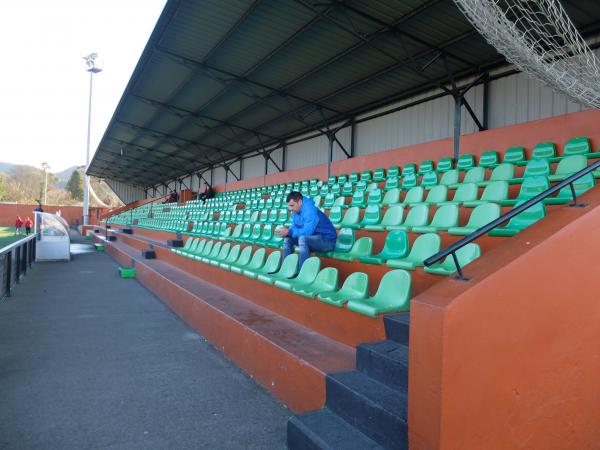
266, 235
351, 219
544, 150
481, 215
391, 219
514, 155
424, 246
489, 159
437, 194
581, 185
391, 197
206, 250
340, 201
531, 187
465, 162
450, 177
362, 247
359, 199
414, 195
256, 233
445, 164
356, 286
464, 255
372, 216
222, 256
417, 216
306, 276
568, 166
347, 189
326, 281
289, 268
577, 146
537, 167
372, 187
408, 181
425, 167
256, 262
393, 294
197, 252
429, 179
521, 221
335, 215
271, 265
465, 193
186, 247
360, 186
328, 201
379, 174
344, 242
444, 218
494, 192
243, 259
502, 172
473, 175
375, 197
232, 257
213, 253
253, 217
246, 233
394, 247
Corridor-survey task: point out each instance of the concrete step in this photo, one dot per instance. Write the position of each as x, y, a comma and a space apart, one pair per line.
385, 361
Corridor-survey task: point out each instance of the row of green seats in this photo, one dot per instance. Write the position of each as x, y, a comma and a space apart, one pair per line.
257, 234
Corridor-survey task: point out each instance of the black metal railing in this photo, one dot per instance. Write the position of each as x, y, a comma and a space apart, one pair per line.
451, 249
15, 260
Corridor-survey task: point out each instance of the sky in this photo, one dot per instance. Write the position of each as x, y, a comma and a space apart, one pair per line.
44, 87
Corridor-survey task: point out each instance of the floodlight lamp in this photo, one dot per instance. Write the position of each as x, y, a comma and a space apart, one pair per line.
92, 64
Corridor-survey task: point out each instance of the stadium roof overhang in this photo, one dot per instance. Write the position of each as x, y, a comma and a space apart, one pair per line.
222, 79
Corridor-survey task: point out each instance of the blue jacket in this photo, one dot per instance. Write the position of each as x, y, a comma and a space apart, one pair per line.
310, 220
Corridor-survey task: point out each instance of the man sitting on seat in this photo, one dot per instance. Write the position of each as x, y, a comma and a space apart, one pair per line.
311, 230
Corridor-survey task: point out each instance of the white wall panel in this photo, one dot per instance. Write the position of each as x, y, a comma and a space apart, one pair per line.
126, 192
235, 168
219, 175
308, 153
254, 167
276, 155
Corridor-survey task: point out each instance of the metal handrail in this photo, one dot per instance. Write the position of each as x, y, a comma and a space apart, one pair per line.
24, 254
452, 248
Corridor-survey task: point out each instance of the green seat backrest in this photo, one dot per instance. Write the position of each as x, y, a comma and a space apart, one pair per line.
247, 215
391, 197
326, 280
289, 266
417, 216
392, 182
393, 216
465, 255
356, 285
366, 176
527, 217
372, 186
466, 192
234, 254
504, 171
258, 259
354, 177
409, 169
372, 215
537, 167
200, 248
414, 195
188, 244
375, 197
445, 217
308, 272
361, 185
272, 216
533, 186
429, 179
544, 150
577, 146
264, 215
352, 216
246, 231
394, 290
489, 158
514, 155
425, 246
445, 164
449, 177
474, 175
393, 171
362, 247
336, 189
345, 240
395, 245
379, 174
495, 191
437, 194
329, 199
335, 214
207, 248
571, 164
324, 189
358, 199
342, 178
347, 189
215, 250
192, 248
267, 233
223, 252
253, 217
409, 181
483, 214
465, 162
256, 231
425, 167
580, 185
282, 216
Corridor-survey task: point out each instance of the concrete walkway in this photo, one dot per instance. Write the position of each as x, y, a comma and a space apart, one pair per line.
89, 360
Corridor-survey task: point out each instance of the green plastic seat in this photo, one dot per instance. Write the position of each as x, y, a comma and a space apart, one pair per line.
424, 246
360, 186
372, 187
347, 189
197, 252
465, 162
537, 167
232, 257
336, 189
445, 164
354, 177
544, 150
253, 217
429, 179
473, 175
494, 192
531, 187
408, 181
502, 172
393, 171
464, 255
444, 218
426, 167
414, 195
271, 265
282, 216
375, 197
266, 235
216, 248
335, 215
275, 241
417, 216
326, 281
289, 268
343, 244
340, 201
466, 192
437, 194
393, 294
306, 276
409, 169
379, 174
577, 146
481, 215
568, 166
356, 286
394, 247
206, 250
342, 178
362, 247
514, 155
521, 221
359, 199
450, 177
391, 219
489, 159
186, 247
243, 258
366, 176
391, 183
222, 256
351, 219
254, 263
246, 233
581, 185
391, 197
331, 180
256, 233
372, 216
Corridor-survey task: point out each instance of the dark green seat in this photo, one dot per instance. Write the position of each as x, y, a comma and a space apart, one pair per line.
362, 247
481, 215
342, 178
335, 215
391, 182
464, 255
206, 250
356, 286
329, 199
359, 199
372, 216
271, 265
391, 219
354, 177
343, 244
577, 146
581, 185
444, 218
393, 294
445, 164
306, 276
494, 192
568, 166
417, 216
254, 263
465, 162
544, 150
222, 256
393, 171
289, 268
531, 187
197, 252
394, 247
347, 189
366, 176
429, 179
408, 181
414, 195
361, 185
521, 221
326, 281
514, 155
424, 246
489, 159
379, 174
426, 167
216, 248
375, 197
502, 172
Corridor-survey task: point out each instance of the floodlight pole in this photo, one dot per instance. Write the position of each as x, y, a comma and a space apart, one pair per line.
92, 69
45, 166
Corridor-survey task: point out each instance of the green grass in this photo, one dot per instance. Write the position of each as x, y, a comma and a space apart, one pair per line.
7, 236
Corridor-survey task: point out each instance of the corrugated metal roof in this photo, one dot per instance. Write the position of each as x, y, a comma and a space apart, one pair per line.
221, 79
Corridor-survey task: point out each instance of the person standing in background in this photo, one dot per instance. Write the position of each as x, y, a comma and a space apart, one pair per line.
18, 225
28, 224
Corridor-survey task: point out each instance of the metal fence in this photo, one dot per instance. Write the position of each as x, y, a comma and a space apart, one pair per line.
15, 260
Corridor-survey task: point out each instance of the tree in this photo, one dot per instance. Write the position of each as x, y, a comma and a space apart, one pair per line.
75, 185
1, 186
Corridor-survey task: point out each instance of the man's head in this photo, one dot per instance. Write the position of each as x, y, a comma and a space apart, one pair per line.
294, 201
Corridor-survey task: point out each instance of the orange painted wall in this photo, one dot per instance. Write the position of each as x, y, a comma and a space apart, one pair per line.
72, 214
510, 360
